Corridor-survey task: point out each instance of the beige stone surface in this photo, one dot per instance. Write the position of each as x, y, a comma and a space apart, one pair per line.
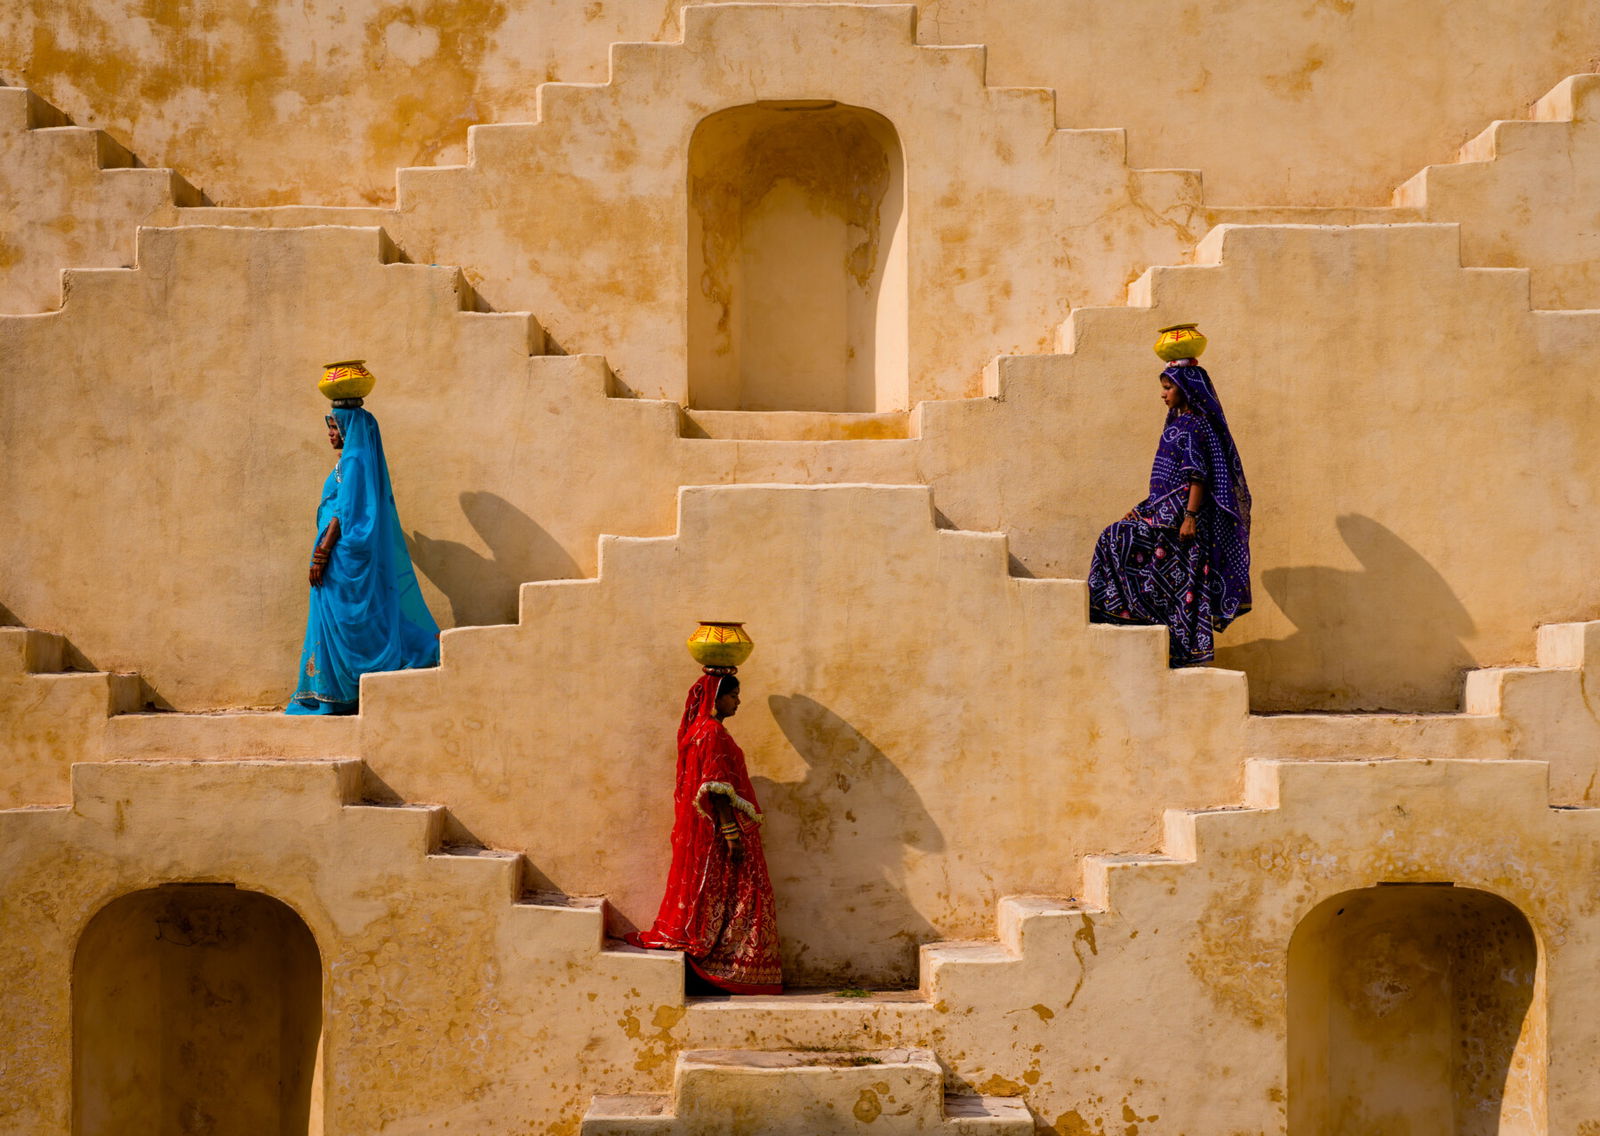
1276, 102
777, 1093
1083, 1009
1371, 591
978, 222
906, 694
1525, 193
1209, 929
1091, 894
448, 998
51, 717
73, 198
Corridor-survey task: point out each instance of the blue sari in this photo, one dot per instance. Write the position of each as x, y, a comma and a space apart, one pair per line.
1142, 573
367, 614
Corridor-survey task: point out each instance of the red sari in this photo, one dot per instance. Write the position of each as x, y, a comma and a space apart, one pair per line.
717, 910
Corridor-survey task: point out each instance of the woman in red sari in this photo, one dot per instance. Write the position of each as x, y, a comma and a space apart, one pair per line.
718, 909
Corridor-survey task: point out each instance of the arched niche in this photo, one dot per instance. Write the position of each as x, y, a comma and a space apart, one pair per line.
1416, 1008
196, 1008
797, 260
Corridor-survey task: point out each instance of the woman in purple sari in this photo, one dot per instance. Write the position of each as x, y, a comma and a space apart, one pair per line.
1181, 557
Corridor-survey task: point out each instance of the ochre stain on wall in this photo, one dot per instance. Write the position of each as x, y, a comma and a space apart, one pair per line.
440, 46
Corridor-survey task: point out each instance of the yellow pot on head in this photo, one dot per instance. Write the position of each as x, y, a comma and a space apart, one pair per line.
720, 644
348, 378
1180, 341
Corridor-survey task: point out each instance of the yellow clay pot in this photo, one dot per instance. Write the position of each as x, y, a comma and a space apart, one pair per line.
346, 379
1180, 341
720, 644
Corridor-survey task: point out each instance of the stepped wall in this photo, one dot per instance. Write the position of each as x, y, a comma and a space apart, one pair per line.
920, 725
292, 102
1401, 417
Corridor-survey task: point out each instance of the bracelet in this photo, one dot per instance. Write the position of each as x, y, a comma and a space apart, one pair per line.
1191, 513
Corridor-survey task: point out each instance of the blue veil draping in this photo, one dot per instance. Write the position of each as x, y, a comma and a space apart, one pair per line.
368, 613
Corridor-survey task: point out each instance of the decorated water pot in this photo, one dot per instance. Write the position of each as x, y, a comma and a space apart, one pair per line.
716, 643
1180, 341
348, 378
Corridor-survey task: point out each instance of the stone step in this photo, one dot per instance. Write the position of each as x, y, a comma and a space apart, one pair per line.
1328, 737
230, 735
793, 425
24, 650
288, 216
811, 1019
806, 1093
90, 692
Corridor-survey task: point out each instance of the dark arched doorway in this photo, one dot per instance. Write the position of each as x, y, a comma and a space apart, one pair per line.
196, 1008
1415, 1008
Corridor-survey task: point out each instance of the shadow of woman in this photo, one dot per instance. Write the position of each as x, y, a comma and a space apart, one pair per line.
837, 842
483, 589
1385, 636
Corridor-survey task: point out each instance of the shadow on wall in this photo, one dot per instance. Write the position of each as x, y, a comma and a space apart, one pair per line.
1350, 626
483, 589
837, 843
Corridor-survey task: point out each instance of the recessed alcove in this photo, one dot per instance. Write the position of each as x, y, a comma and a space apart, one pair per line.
196, 1008
1416, 1008
797, 260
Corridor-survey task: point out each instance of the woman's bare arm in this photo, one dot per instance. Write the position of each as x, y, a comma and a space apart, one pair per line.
728, 824
1197, 496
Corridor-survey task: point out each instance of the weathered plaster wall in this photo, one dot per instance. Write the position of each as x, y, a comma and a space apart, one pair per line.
72, 198
180, 395
1525, 193
444, 1001
1406, 1008
584, 219
1090, 1010
50, 717
1164, 1002
317, 101
925, 729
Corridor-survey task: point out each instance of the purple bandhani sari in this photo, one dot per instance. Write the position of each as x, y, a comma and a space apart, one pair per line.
1142, 573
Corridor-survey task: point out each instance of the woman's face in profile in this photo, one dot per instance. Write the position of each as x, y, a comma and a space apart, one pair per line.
1170, 394
335, 437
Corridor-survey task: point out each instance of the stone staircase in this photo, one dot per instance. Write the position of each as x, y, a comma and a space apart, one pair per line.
1092, 963
839, 1064
51, 170
1524, 192
51, 714
1543, 711
412, 929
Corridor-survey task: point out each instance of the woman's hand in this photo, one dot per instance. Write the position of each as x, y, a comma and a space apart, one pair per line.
1186, 530
728, 826
324, 551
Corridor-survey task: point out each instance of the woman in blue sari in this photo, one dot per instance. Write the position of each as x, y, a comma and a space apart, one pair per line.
1181, 557
367, 612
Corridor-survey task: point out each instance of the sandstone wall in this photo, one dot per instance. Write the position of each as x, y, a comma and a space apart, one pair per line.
920, 725
444, 998
1388, 450
451, 997
320, 102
